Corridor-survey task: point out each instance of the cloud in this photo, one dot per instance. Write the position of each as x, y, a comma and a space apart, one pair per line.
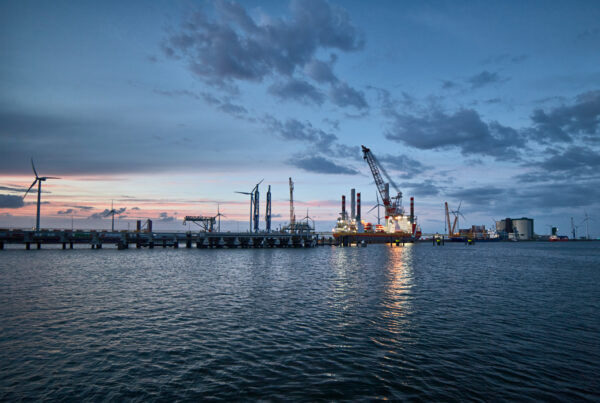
233, 109
403, 163
574, 158
463, 129
560, 195
11, 201
322, 165
341, 94
165, 217
85, 208
227, 45
321, 72
298, 90
448, 85
135, 208
295, 130
568, 122
506, 58
107, 213
66, 212
13, 189
425, 188
98, 216
482, 79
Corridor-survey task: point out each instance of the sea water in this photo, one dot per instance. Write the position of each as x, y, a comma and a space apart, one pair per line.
496, 321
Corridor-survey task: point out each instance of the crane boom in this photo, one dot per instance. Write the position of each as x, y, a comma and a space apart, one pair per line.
391, 209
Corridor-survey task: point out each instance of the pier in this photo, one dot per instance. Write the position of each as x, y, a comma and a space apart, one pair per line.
30, 239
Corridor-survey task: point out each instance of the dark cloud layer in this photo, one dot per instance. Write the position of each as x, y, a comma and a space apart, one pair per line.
567, 123
11, 201
463, 129
229, 45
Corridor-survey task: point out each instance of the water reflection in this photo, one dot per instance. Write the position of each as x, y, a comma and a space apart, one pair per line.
399, 282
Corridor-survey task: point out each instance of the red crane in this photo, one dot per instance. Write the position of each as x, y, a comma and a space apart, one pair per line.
391, 204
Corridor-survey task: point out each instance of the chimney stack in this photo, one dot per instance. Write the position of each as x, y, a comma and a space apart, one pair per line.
358, 207
352, 204
343, 207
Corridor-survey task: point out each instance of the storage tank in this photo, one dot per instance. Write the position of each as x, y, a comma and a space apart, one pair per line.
523, 228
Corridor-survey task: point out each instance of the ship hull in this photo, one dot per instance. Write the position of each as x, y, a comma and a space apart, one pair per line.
375, 238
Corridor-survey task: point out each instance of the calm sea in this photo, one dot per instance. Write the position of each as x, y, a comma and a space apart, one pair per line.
506, 321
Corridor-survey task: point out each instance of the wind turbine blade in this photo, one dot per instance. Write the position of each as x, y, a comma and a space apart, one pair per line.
244, 193
374, 207
30, 187
52, 177
33, 166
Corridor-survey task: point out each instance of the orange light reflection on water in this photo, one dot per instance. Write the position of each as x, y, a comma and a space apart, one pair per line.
399, 284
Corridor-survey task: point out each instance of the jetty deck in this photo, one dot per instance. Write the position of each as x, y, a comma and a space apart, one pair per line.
127, 239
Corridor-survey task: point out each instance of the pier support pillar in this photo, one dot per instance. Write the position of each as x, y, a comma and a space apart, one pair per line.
151, 245
27, 245
39, 245
70, 245
188, 243
64, 245
164, 243
1, 245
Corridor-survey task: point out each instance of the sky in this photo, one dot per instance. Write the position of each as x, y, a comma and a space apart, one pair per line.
166, 109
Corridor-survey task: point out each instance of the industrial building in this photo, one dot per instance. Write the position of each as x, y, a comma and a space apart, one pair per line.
518, 229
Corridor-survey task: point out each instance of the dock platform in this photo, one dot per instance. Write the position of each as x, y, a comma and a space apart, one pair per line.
127, 239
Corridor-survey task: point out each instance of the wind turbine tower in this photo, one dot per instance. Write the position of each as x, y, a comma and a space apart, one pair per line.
268, 212
38, 180
256, 208
292, 215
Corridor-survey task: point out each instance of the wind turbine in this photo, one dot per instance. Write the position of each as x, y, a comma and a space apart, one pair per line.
251, 194
586, 220
456, 214
112, 212
219, 215
308, 218
39, 180
377, 206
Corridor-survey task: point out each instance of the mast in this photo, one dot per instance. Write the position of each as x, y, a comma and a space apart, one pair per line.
292, 215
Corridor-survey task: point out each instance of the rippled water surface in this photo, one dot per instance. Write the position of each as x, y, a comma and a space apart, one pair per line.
484, 322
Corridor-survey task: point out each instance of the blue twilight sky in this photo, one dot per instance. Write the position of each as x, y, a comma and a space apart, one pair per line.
167, 108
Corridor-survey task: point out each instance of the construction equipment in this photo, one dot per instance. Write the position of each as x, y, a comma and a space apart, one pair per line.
392, 205
206, 223
454, 228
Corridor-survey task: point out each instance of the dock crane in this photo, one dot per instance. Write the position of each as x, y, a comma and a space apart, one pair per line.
392, 204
